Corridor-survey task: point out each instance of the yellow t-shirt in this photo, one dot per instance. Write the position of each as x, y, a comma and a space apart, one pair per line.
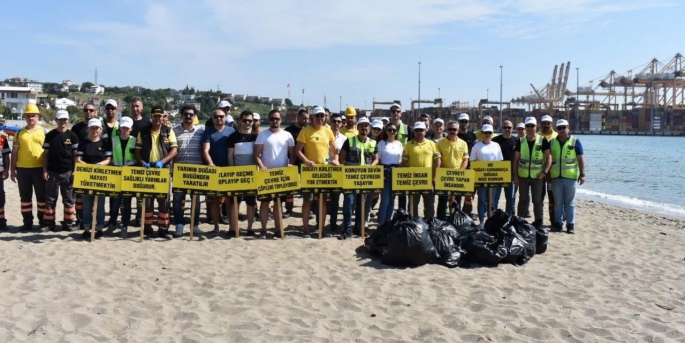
156, 152
349, 133
452, 154
30, 144
420, 154
317, 143
550, 136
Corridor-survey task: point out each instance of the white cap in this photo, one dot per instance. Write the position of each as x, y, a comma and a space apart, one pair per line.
396, 105
94, 122
520, 126
126, 122
229, 119
530, 120
224, 103
377, 124
255, 116
463, 116
488, 119
385, 119
419, 125
487, 128
62, 114
562, 122
363, 120
318, 110
546, 118
438, 120
111, 102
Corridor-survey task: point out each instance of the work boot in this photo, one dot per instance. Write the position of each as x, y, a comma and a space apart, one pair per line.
164, 233
557, 227
124, 232
345, 235
570, 229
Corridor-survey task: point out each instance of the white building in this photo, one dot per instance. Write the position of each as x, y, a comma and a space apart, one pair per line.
63, 103
187, 97
97, 89
35, 85
16, 98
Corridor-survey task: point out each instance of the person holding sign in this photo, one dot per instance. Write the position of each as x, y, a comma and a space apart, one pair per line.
4, 165
357, 150
81, 130
404, 134
58, 163
274, 148
507, 143
531, 165
294, 130
314, 146
389, 154
487, 150
568, 167
454, 154
334, 200
189, 140
156, 147
123, 154
470, 138
94, 150
110, 125
215, 153
421, 152
350, 129
241, 153
548, 132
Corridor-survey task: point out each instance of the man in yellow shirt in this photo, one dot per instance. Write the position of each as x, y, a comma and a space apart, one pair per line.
27, 166
547, 131
454, 154
315, 144
350, 129
421, 152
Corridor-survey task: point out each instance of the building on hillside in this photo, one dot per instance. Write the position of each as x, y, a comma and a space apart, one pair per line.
265, 99
251, 98
38, 86
74, 88
16, 98
239, 97
60, 88
278, 101
198, 106
95, 101
67, 82
187, 97
63, 103
97, 89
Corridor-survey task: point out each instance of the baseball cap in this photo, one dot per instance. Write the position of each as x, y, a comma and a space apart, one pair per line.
419, 125
229, 119
377, 124
531, 120
255, 116
488, 119
562, 122
385, 119
546, 118
111, 102
396, 105
224, 103
487, 128
363, 120
438, 120
94, 122
62, 114
318, 110
126, 122
156, 110
463, 116
520, 126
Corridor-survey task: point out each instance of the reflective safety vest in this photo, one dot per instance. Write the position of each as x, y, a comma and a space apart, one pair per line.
564, 159
115, 130
360, 154
530, 163
3, 139
402, 133
124, 156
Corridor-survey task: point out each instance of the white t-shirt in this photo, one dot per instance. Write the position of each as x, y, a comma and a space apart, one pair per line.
486, 152
339, 141
275, 152
389, 153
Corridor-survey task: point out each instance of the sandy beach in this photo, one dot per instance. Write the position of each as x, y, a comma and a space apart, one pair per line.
619, 279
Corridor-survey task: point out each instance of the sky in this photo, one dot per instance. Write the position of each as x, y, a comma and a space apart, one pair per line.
350, 52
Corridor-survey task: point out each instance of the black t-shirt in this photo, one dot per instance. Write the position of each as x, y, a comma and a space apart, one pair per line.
508, 146
545, 144
139, 125
243, 147
106, 130
294, 131
81, 130
469, 137
60, 148
95, 152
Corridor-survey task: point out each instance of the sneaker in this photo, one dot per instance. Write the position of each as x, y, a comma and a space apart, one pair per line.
179, 231
197, 231
164, 233
148, 233
345, 235
224, 220
45, 228
98, 233
570, 229
26, 227
230, 234
311, 216
4, 227
287, 214
251, 233
556, 227
215, 232
306, 236
110, 229
124, 232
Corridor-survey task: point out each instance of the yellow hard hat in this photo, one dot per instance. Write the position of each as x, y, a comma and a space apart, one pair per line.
31, 109
350, 112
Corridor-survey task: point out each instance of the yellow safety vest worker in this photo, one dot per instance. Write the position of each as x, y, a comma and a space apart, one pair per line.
530, 163
361, 153
564, 159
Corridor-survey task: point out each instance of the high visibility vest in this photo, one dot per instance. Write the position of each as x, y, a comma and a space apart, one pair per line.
564, 159
530, 163
115, 130
124, 156
3, 139
402, 133
361, 153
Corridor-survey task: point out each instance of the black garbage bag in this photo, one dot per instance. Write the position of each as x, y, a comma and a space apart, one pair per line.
377, 242
495, 223
482, 248
410, 244
525, 229
444, 237
401, 215
463, 223
520, 241
541, 239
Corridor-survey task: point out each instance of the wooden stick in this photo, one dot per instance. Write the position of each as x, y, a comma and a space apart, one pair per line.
142, 221
411, 204
321, 218
489, 202
193, 208
363, 196
94, 218
235, 217
278, 212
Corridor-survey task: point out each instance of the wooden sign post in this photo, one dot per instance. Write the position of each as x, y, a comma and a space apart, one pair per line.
97, 181
490, 174
275, 183
363, 180
145, 183
320, 180
412, 181
194, 179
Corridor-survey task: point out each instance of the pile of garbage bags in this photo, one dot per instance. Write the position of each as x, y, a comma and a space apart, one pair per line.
457, 242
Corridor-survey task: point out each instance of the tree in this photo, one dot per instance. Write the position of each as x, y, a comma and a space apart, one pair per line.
288, 102
75, 111
85, 87
48, 115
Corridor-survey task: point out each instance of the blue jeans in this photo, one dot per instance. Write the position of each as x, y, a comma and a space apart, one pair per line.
178, 209
509, 197
564, 191
351, 200
483, 201
88, 201
333, 208
115, 204
385, 211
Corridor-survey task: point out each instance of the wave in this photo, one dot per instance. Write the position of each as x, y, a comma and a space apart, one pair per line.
635, 203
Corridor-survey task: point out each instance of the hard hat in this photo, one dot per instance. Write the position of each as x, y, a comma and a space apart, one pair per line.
31, 109
350, 112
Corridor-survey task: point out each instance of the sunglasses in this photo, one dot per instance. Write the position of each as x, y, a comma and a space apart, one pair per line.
562, 127
452, 129
188, 114
530, 125
391, 130
487, 133
376, 129
89, 110
337, 121
463, 121
506, 127
419, 130
247, 121
110, 108
274, 119
219, 117
320, 115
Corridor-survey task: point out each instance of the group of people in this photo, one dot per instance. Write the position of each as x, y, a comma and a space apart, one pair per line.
42, 162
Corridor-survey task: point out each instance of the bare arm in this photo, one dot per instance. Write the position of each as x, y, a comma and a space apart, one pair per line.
105, 162
343, 156
45, 165
464, 163
376, 160
170, 156
205, 154
13, 168
334, 153
5, 162
581, 166
79, 159
258, 156
230, 156
546, 165
299, 149
139, 156
291, 155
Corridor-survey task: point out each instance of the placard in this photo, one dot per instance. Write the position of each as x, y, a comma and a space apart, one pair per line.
362, 179
412, 180
321, 179
92, 179
492, 173
145, 182
278, 182
454, 181
237, 181
195, 179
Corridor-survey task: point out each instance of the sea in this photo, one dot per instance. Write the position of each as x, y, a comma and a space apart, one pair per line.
639, 172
